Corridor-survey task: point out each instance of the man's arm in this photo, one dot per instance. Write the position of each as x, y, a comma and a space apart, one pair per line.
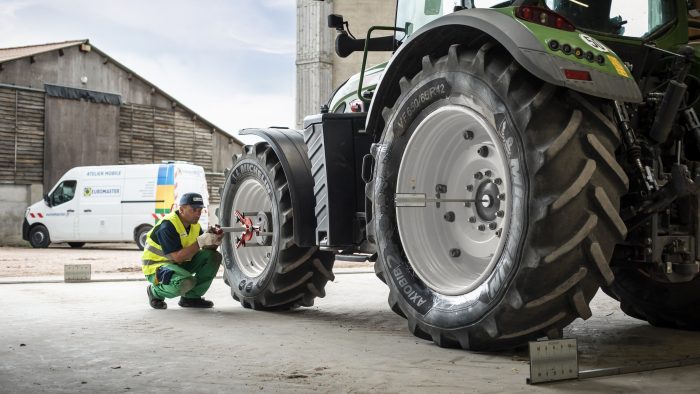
184, 254
169, 240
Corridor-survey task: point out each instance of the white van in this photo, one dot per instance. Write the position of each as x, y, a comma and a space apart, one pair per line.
111, 203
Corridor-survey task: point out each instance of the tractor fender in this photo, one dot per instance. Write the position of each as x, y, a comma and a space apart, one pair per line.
291, 151
528, 50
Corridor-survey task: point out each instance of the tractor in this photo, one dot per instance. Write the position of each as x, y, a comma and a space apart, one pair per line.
502, 167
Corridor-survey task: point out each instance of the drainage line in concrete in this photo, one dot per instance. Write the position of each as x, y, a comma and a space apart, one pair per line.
32, 282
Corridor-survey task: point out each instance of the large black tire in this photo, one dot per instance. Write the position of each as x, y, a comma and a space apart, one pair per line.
39, 236
565, 195
293, 276
672, 305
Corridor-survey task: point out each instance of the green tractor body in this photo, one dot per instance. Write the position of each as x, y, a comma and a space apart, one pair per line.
500, 169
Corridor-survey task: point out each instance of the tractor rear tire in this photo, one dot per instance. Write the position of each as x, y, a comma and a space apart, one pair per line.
670, 305
268, 273
560, 191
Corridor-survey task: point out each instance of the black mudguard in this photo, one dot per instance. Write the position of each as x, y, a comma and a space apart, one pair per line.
467, 25
290, 148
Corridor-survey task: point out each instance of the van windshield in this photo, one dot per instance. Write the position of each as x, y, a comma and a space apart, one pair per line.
64, 192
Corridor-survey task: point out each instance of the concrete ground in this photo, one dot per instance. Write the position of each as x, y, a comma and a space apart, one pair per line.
103, 337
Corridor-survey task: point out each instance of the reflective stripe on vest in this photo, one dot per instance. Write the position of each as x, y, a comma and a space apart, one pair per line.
153, 256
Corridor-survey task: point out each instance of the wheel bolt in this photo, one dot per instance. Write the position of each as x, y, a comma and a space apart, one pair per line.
502, 196
488, 173
472, 219
478, 175
483, 151
450, 216
500, 214
440, 188
468, 135
492, 226
467, 204
497, 181
470, 188
499, 232
455, 252
482, 227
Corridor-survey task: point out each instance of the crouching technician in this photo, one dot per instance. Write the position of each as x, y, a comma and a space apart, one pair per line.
179, 259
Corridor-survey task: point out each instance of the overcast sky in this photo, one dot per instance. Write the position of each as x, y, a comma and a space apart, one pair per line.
230, 61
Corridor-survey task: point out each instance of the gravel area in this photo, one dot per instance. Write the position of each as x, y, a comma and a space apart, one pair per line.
113, 258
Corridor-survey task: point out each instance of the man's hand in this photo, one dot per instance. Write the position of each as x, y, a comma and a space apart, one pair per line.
216, 230
208, 240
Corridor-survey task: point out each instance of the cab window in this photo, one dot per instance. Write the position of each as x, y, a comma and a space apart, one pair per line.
617, 17
64, 192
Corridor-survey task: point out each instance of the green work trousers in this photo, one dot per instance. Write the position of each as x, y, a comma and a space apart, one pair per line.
199, 272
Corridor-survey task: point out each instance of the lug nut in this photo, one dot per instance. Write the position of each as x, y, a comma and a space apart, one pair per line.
440, 188
468, 135
492, 226
499, 232
467, 204
502, 196
455, 252
450, 216
472, 219
500, 214
470, 188
497, 181
488, 173
483, 151
478, 175
482, 227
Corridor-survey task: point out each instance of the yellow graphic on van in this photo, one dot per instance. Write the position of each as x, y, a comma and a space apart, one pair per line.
87, 192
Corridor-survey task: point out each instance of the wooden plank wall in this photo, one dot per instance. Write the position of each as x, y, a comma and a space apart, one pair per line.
21, 136
151, 135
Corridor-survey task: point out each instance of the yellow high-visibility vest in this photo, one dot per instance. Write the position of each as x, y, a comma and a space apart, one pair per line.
153, 256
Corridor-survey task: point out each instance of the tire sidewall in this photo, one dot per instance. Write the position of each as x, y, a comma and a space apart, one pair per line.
454, 88
247, 168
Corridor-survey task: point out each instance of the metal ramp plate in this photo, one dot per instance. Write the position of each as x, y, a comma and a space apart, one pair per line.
77, 272
553, 360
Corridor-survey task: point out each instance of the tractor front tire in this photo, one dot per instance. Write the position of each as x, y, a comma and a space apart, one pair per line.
495, 201
268, 272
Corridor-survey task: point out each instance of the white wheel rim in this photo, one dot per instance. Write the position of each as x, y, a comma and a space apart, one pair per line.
444, 150
253, 258
142, 239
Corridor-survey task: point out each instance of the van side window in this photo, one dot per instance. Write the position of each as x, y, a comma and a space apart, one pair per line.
64, 192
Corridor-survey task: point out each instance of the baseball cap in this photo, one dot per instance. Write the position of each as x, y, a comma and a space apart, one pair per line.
194, 200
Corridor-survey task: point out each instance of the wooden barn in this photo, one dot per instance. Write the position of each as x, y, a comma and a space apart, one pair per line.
69, 104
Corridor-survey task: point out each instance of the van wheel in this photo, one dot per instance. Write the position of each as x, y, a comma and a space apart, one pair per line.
76, 244
140, 236
39, 237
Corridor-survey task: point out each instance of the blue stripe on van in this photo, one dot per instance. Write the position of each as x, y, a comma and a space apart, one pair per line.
166, 174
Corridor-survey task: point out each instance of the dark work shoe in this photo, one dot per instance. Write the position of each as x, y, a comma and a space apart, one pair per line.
155, 302
195, 303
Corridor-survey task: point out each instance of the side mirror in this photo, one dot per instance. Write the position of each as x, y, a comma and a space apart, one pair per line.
47, 200
336, 21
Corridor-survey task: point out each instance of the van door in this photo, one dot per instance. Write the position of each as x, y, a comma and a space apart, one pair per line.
61, 216
100, 207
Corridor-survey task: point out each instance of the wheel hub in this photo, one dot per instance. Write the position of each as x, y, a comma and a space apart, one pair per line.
251, 251
453, 241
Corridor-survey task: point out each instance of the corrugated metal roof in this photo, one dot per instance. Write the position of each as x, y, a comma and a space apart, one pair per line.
31, 50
